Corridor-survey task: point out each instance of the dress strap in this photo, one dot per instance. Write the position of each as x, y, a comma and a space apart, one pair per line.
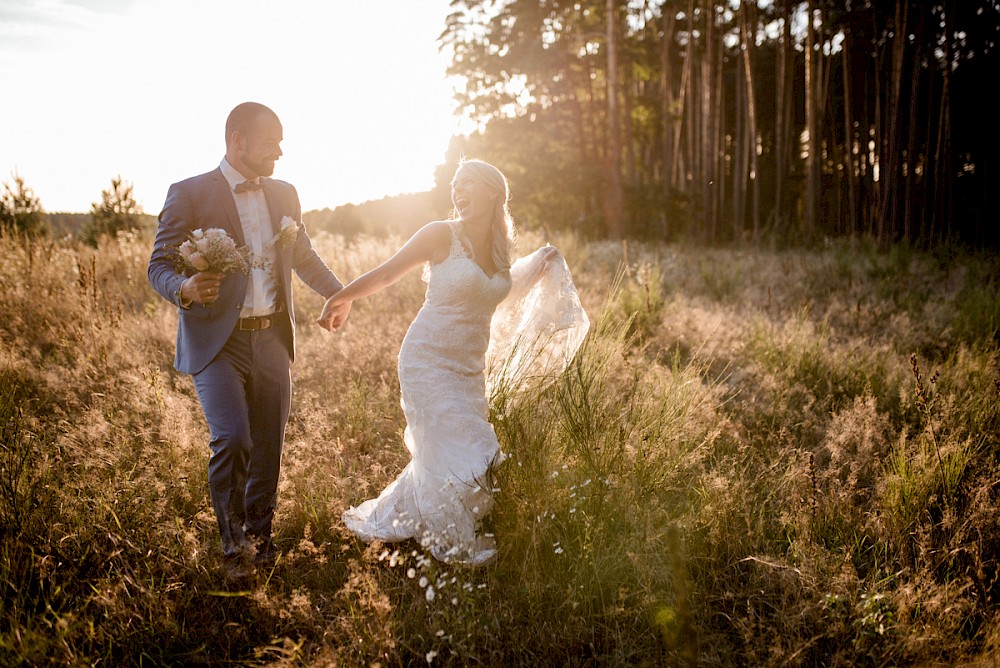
458, 248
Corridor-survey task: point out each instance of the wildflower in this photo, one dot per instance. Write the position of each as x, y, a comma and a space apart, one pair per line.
430, 593
411, 573
430, 656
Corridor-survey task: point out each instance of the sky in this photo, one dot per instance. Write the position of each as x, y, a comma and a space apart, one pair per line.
94, 89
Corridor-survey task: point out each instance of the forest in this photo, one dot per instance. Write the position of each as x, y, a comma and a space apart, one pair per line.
737, 121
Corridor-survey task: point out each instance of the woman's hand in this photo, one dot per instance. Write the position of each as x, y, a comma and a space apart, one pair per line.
548, 254
545, 256
334, 314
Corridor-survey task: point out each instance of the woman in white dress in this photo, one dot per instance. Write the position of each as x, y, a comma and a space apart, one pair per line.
444, 493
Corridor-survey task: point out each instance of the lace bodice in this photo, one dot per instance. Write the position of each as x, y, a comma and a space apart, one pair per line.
458, 282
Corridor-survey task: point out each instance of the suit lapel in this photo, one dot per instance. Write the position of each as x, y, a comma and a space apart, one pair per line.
276, 212
274, 207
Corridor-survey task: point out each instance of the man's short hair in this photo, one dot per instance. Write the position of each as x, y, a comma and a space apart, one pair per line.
243, 115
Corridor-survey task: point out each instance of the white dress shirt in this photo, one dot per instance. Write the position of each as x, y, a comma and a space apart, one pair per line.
262, 288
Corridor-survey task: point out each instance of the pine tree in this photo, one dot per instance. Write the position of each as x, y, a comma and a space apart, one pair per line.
20, 211
116, 212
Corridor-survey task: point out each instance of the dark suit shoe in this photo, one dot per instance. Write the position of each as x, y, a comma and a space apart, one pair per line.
238, 570
264, 554
265, 557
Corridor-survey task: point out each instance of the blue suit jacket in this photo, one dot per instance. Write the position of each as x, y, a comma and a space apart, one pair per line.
204, 202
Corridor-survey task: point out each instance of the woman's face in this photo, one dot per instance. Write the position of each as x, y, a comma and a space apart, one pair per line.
472, 198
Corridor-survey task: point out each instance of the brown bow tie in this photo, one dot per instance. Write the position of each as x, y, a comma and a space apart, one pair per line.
248, 185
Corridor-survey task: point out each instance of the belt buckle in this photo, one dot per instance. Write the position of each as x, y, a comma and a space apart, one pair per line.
253, 324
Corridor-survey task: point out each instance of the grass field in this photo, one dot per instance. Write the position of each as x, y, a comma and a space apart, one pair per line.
758, 458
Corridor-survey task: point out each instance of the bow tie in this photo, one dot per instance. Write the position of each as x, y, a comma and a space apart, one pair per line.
248, 185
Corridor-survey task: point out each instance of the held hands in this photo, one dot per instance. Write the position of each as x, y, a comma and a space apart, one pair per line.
201, 288
334, 314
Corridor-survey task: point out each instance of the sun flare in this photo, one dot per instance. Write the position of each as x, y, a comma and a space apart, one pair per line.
360, 89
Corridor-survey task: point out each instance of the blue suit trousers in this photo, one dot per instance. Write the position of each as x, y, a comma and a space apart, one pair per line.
245, 392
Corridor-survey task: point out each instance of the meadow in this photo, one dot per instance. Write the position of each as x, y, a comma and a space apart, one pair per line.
759, 457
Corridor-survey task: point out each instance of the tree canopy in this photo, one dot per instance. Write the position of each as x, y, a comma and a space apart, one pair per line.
733, 120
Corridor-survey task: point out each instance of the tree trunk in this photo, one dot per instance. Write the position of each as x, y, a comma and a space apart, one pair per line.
812, 125
850, 141
912, 152
941, 203
888, 158
692, 123
782, 116
667, 103
710, 115
614, 201
740, 157
749, 44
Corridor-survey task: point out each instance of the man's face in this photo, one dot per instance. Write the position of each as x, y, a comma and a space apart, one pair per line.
257, 149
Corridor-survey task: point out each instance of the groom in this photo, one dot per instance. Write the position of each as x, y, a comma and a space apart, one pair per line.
236, 332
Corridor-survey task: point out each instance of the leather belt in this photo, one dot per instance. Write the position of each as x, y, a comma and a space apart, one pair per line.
254, 324
257, 323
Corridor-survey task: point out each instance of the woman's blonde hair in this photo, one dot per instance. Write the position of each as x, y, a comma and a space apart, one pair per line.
504, 234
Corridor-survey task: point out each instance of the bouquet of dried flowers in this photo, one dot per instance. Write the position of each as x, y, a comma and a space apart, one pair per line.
212, 250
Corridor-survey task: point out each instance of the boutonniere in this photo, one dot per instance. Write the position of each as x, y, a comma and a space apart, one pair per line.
288, 232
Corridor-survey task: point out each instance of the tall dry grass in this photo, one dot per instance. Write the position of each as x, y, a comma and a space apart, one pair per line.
757, 458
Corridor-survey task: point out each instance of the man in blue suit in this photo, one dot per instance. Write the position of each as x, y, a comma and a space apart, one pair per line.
236, 332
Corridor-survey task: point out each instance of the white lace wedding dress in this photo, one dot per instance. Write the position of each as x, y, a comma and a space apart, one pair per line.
445, 491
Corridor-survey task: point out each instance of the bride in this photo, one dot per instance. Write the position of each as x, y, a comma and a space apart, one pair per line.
444, 493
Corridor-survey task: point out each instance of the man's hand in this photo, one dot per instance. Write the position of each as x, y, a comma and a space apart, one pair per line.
201, 288
334, 314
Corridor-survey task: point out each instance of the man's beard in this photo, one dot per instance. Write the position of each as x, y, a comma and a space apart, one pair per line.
264, 166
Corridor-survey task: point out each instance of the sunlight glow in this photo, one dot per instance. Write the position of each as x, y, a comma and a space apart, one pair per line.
141, 88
